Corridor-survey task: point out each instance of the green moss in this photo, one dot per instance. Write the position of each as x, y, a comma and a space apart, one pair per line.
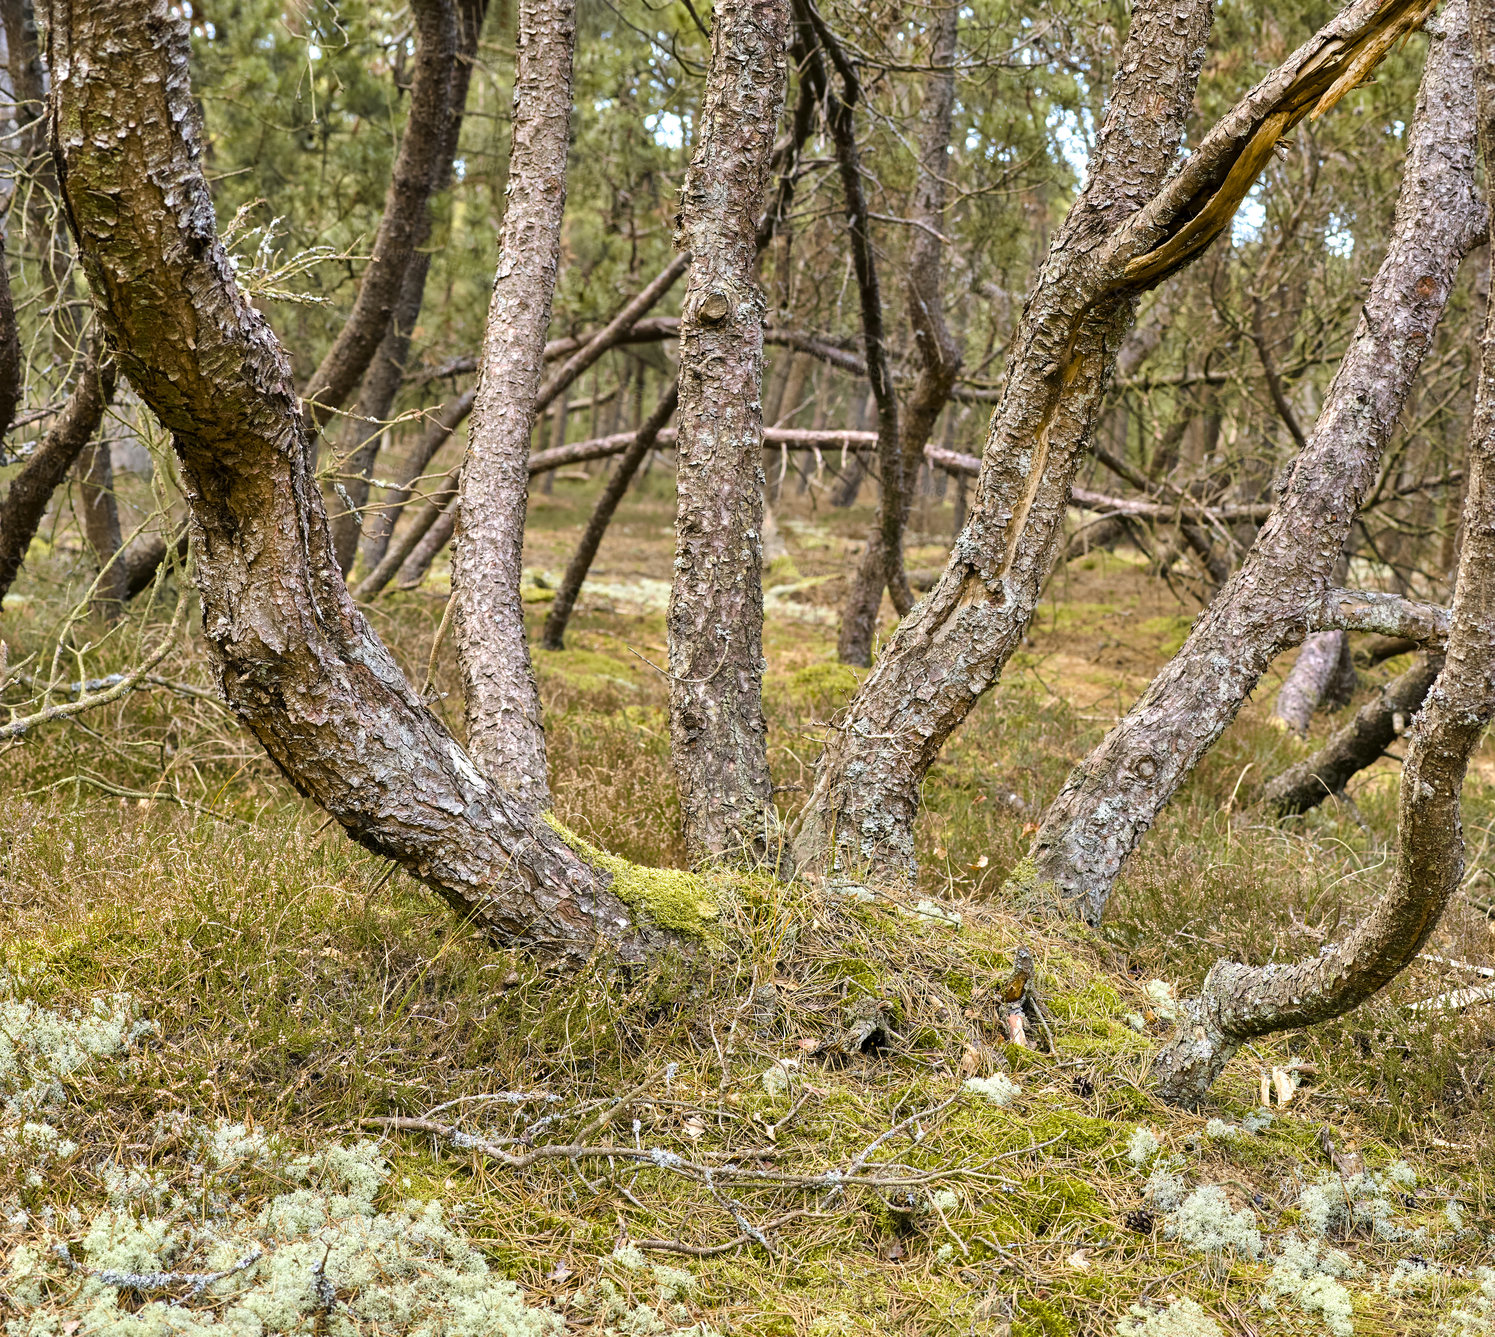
583, 670
824, 683
670, 897
1025, 888
1038, 1318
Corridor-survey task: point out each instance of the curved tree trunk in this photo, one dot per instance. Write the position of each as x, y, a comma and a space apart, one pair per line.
715, 619
503, 703
296, 660
1115, 794
31, 489
954, 645
1239, 1002
1361, 743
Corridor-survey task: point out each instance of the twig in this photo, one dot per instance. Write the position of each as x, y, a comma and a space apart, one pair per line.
197, 1282
711, 1250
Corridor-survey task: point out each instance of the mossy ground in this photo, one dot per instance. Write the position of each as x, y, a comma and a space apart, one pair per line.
299, 988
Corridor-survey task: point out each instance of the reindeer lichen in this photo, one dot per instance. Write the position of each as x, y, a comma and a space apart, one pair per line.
670, 897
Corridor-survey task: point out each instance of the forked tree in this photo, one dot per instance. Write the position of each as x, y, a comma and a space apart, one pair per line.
1141, 217
1238, 1003
1115, 794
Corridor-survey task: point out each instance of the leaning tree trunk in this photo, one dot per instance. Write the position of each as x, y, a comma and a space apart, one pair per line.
554, 637
386, 373
296, 660
953, 647
404, 224
1237, 1002
30, 490
1322, 675
503, 703
715, 621
1361, 743
1115, 794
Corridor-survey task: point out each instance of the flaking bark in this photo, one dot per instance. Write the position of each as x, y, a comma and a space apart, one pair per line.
1112, 798
715, 619
1237, 1002
296, 660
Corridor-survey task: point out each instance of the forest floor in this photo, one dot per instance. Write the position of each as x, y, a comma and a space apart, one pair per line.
208, 997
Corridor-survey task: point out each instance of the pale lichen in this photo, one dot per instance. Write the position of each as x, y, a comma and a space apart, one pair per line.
672, 898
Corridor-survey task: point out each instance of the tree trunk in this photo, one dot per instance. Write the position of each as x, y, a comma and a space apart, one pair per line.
382, 381
939, 351
554, 637
101, 526
1322, 675
944, 656
939, 354
715, 619
1361, 743
1115, 794
295, 658
31, 489
503, 704
1237, 1002
881, 565
405, 223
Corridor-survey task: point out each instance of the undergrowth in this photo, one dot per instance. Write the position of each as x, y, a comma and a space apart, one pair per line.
235, 994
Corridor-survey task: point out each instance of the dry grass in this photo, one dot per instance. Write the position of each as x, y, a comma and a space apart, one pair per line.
297, 989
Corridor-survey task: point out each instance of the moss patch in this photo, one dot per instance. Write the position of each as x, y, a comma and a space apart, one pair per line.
670, 897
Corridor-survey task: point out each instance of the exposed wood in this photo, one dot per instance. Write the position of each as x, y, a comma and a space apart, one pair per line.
1112, 798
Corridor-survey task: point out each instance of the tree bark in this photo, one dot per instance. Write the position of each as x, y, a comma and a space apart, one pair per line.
10, 350
944, 656
715, 619
1237, 1002
295, 658
386, 373
1115, 794
939, 353
101, 526
504, 731
31, 489
1361, 743
554, 637
1322, 675
405, 222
